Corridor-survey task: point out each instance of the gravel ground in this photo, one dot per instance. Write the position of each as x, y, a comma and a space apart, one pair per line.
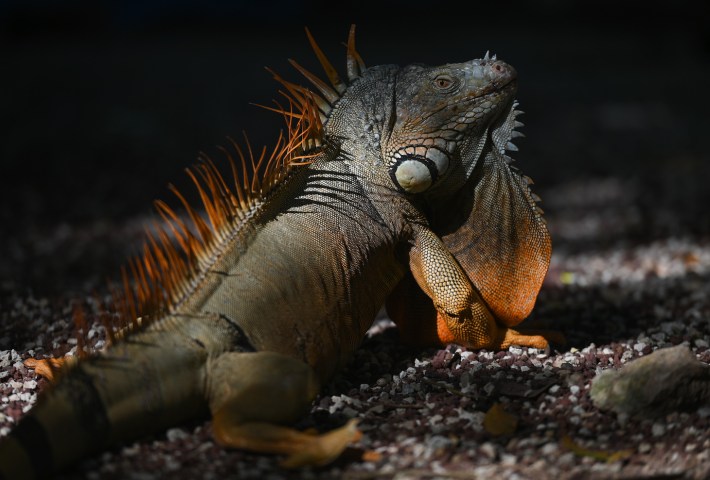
423, 411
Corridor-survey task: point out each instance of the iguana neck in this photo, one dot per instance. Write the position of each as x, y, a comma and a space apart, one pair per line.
361, 120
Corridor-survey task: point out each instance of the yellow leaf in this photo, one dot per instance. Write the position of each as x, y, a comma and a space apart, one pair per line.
567, 278
603, 455
499, 422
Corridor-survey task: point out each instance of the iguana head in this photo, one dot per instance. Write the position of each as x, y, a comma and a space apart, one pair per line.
428, 125
441, 119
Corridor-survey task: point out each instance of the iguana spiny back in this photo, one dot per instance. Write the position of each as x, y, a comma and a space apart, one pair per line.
274, 294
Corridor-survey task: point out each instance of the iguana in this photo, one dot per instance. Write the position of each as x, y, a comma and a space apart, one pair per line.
388, 184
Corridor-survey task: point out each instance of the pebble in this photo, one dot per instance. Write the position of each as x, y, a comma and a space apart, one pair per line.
549, 449
489, 450
175, 434
29, 384
350, 412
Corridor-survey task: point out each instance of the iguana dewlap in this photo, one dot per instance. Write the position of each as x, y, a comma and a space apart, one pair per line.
396, 173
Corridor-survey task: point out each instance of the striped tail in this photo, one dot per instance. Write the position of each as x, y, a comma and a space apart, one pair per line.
134, 389
68, 422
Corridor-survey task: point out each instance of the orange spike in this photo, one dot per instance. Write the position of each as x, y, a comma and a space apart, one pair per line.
332, 74
355, 64
226, 196
330, 95
163, 283
279, 110
157, 253
197, 221
220, 197
292, 88
179, 229
255, 185
273, 164
178, 266
219, 211
151, 265
298, 93
141, 292
239, 199
243, 161
206, 202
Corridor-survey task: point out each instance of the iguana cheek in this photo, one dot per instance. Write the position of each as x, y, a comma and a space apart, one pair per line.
440, 159
413, 175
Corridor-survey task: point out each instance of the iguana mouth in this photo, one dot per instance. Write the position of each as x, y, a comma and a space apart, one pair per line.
503, 88
507, 81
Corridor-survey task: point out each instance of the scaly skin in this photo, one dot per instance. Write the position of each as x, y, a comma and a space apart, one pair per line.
288, 296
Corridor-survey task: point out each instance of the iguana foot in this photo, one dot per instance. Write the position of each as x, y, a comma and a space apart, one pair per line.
48, 368
302, 449
503, 338
529, 338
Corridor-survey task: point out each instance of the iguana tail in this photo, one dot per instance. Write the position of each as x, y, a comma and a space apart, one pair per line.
137, 388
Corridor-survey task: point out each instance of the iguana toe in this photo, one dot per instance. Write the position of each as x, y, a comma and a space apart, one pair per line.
540, 339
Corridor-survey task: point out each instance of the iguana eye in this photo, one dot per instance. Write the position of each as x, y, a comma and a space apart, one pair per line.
444, 82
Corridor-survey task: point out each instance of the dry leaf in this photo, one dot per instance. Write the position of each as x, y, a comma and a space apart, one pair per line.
499, 422
49, 368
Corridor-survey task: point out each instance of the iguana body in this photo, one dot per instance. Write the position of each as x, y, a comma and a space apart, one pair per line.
290, 280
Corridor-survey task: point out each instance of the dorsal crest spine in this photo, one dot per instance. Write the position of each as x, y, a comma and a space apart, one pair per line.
179, 249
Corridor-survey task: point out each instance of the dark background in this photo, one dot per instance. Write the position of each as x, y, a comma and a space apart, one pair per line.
102, 104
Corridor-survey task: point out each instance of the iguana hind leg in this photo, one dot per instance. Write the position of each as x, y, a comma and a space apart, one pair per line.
252, 394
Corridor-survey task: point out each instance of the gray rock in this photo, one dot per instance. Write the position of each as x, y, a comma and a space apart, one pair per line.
667, 380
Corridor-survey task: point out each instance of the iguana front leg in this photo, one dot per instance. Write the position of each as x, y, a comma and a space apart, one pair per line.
252, 394
462, 316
